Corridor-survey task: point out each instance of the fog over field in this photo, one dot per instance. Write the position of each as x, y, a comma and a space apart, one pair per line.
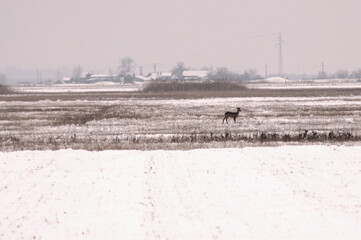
49, 38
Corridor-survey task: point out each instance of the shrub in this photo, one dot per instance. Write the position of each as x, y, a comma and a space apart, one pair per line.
174, 86
4, 89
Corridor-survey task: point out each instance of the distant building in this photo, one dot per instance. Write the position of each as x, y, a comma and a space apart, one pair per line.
159, 76
195, 75
94, 78
67, 80
141, 78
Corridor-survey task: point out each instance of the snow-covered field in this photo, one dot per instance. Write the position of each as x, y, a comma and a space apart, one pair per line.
288, 192
78, 88
286, 86
270, 83
281, 83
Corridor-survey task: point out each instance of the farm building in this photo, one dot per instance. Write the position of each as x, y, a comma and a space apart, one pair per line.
104, 78
94, 78
67, 80
195, 75
159, 76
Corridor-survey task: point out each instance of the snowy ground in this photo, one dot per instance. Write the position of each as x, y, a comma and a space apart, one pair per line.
281, 83
289, 192
304, 86
271, 83
78, 88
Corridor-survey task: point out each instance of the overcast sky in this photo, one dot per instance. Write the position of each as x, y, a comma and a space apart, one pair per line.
238, 34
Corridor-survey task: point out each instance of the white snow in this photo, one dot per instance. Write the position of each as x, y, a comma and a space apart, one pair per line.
276, 80
79, 88
289, 192
304, 86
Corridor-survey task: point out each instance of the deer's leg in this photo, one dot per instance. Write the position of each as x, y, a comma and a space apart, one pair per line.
234, 119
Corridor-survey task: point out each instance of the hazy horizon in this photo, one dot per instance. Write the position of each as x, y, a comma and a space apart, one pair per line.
239, 35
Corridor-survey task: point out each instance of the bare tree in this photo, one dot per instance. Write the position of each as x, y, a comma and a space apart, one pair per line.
252, 73
4, 89
356, 73
2, 79
77, 73
321, 75
342, 74
178, 70
223, 74
58, 75
127, 65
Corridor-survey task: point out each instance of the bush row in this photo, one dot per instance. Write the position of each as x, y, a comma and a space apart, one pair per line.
8, 142
174, 86
4, 90
304, 136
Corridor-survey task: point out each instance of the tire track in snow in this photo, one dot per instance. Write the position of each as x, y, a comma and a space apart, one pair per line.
169, 200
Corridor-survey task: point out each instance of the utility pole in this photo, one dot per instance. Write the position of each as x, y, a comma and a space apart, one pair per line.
155, 67
265, 68
141, 70
323, 74
280, 60
323, 69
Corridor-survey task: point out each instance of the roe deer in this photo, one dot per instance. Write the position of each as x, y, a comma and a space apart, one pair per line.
233, 115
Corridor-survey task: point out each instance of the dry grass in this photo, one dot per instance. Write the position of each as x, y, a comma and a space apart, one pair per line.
176, 141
